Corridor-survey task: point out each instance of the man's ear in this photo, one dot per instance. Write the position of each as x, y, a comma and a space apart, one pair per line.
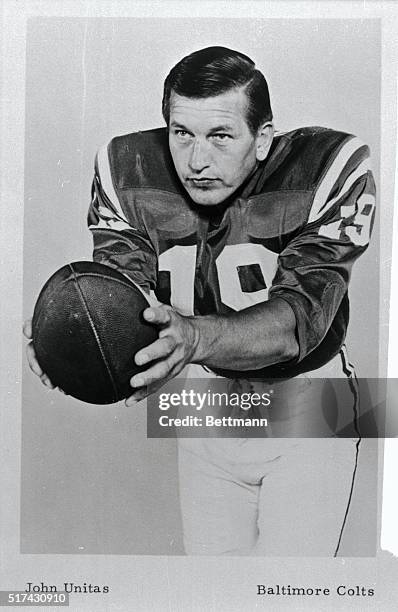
264, 139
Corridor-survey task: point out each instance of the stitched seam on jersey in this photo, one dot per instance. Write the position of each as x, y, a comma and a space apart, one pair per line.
93, 329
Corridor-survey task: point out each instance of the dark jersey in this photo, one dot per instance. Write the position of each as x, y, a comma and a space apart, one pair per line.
292, 231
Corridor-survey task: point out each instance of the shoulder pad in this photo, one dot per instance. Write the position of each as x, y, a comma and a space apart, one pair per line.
306, 155
143, 160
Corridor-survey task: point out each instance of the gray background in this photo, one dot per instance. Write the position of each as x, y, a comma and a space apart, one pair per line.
91, 480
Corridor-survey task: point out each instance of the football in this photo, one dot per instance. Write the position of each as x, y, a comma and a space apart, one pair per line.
87, 327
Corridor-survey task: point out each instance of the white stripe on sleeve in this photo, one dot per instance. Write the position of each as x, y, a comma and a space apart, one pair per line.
320, 204
106, 181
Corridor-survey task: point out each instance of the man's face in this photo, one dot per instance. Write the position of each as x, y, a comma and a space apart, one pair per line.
211, 145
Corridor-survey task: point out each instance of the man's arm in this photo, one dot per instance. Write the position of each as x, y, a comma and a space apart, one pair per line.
253, 338
119, 240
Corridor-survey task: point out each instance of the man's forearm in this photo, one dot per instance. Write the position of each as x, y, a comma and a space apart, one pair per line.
247, 340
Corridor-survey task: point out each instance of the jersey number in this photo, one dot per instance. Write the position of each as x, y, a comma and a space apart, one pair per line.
358, 230
180, 262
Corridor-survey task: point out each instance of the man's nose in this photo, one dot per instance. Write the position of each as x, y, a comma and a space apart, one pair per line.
200, 156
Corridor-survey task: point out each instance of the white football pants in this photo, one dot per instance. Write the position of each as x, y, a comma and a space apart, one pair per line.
281, 496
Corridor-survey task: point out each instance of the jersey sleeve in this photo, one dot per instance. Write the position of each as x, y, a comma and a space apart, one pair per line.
120, 240
314, 268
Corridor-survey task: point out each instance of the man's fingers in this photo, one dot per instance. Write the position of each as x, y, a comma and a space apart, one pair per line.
27, 329
33, 363
159, 316
158, 349
36, 369
139, 394
157, 372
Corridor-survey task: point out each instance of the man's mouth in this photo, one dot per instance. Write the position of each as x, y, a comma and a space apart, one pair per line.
202, 182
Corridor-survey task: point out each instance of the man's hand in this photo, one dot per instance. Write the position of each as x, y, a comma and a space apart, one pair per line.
30, 353
250, 339
174, 349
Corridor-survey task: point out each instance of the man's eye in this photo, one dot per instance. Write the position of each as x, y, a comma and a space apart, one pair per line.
221, 137
182, 134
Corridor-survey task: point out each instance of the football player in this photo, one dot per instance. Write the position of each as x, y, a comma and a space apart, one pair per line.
245, 239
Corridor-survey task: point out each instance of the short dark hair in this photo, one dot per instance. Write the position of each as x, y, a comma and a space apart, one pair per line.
213, 71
